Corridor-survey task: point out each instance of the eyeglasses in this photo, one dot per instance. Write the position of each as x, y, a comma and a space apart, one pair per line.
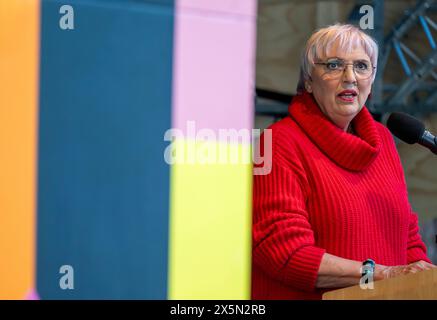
363, 69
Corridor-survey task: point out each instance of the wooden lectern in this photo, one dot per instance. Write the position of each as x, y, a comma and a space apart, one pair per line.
417, 286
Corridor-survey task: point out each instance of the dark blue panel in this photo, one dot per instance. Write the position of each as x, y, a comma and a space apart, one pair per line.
103, 185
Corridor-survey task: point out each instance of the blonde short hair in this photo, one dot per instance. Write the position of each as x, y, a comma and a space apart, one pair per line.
349, 37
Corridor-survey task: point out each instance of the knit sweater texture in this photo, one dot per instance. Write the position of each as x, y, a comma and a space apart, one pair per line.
329, 191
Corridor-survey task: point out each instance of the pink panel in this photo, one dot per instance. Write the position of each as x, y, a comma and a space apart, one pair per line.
213, 69
32, 295
243, 7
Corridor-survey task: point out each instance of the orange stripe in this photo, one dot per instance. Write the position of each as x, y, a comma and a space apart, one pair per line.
19, 43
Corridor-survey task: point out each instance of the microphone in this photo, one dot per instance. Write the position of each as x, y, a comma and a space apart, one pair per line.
411, 130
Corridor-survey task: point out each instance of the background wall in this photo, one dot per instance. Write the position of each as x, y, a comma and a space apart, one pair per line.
90, 207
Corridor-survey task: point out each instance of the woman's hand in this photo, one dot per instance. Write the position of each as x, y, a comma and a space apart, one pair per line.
336, 272
385, 272
420, 266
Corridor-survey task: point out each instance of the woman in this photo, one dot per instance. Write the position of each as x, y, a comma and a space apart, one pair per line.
336, 195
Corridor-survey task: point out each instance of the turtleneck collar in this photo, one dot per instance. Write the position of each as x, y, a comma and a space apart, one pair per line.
351, 152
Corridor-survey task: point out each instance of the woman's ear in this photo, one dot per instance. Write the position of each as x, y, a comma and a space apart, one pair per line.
308, 87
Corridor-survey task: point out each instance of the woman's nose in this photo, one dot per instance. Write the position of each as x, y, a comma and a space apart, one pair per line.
349, 74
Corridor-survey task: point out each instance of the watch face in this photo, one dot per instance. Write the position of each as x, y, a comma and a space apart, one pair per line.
369, 262
368, 267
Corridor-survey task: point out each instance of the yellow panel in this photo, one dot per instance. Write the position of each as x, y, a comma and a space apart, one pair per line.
19, 41
210, 227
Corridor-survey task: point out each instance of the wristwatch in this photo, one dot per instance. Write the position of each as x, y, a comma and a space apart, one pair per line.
368, 268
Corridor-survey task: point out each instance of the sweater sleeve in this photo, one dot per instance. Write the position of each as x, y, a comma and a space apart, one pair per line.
283, 241
416, 249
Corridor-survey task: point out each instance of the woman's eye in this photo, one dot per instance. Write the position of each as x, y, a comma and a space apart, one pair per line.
361, 66
332, 65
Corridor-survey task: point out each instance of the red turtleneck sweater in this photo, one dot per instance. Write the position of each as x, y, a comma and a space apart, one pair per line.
328, 191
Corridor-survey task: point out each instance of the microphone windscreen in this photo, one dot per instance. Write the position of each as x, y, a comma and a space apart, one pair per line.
405, 127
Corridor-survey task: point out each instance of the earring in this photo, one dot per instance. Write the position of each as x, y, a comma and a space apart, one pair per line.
308, 88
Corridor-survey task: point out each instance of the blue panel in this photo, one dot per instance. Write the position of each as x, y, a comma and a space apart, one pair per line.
103, 185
